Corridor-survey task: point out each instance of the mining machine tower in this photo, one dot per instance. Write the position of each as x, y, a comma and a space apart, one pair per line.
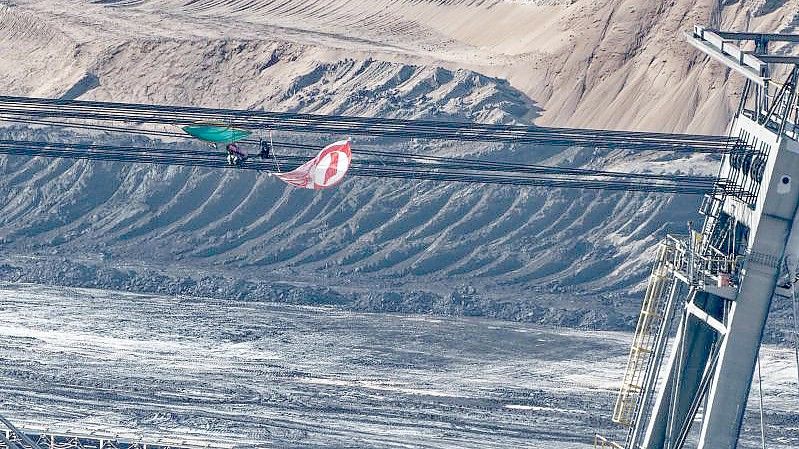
716, 284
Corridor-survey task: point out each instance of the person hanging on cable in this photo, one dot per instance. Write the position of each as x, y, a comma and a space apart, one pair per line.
266, 149
235, 155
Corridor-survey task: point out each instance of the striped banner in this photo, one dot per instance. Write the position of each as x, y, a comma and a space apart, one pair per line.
325, 170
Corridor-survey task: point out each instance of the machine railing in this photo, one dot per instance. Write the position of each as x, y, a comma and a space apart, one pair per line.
678, 259
601, 442
15, 438
701, 265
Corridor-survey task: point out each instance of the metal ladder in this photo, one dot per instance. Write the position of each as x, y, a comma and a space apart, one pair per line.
652, 310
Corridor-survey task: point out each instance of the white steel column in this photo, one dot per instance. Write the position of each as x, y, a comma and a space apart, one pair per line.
775, 211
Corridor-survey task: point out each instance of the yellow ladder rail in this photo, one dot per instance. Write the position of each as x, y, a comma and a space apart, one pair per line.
641, 348
601, 442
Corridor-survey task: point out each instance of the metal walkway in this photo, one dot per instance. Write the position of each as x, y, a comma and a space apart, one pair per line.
46, 440
12, 437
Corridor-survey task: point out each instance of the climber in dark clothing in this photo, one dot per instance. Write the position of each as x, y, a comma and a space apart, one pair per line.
266, 149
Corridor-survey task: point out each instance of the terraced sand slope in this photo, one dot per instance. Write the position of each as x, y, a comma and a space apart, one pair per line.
606, 63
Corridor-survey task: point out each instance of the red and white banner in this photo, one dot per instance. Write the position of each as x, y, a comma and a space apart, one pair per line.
325, 170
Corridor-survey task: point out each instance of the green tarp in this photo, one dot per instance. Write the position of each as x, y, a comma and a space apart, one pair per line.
216, 134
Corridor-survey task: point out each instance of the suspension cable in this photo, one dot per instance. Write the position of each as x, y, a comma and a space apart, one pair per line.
472, 163
367, 168
364, 126
468, 164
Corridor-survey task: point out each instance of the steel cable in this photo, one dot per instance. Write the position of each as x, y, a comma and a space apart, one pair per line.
461, 163
32, 107
368, 168
439, 164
